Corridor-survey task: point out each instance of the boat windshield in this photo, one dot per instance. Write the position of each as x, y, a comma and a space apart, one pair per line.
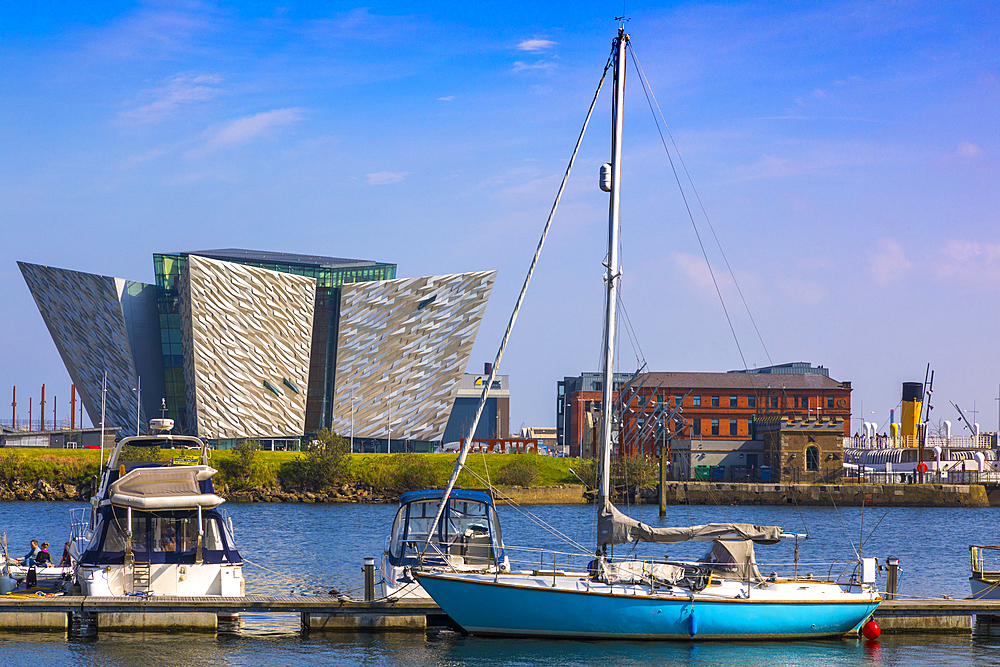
469, 529
165, 538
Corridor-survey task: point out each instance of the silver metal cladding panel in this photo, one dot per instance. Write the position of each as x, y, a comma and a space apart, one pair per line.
83, 313
243, 326
402, 349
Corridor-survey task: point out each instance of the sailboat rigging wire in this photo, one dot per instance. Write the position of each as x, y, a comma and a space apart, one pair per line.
645, 82
843, 525
802, 518
633, 337
534, 518
513, 316
694, 225
872, 531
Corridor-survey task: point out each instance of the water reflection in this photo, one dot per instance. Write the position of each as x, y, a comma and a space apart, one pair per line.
319, 547
451, 648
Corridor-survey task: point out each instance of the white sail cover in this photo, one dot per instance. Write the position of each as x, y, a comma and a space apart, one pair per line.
164, 488
613, 527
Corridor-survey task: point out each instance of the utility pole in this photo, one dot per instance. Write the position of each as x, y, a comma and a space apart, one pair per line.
55, 424
72, 406
663, 469
41, 410
13, 409
31, 417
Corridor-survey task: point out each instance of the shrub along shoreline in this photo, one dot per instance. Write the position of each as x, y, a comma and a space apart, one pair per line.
323, 474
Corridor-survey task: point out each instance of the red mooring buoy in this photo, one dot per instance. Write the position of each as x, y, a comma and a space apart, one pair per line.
871, 630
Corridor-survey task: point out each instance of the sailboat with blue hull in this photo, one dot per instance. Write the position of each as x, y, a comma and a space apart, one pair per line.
579, 607
721, 596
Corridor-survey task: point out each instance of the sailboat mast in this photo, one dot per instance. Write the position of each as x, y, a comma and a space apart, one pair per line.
613, 274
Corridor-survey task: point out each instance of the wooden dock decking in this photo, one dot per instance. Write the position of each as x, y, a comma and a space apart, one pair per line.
929, 616
167, 612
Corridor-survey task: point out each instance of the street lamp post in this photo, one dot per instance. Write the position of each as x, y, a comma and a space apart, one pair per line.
138, 402
352, 421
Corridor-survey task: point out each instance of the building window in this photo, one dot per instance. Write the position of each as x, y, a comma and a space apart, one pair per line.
715, 427
678, 399
774, 401
812, 458
796, 399
697, 427
733, 430
715, 401
751, 401
697, 401
829, 402
733, 401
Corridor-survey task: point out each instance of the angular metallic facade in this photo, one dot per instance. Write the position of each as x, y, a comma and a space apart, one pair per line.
259, 345
247, 334
101, 324
402, 349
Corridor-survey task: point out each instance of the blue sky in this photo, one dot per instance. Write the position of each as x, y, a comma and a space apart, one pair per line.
846, 153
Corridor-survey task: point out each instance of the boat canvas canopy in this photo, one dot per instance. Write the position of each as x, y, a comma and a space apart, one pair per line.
164, 488
613, 527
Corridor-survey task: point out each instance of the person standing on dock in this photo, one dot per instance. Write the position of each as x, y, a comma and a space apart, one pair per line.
29, 558
67, 558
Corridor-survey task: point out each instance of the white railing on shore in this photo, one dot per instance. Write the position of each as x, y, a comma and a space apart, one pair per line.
983, 441
874, 476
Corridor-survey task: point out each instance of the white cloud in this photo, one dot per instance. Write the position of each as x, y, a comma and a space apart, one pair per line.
968, 149
534, 45
693, 268
179, 90
971, 261
521, 66
449, 98
246, 129
889, 262
789, 285
386, 177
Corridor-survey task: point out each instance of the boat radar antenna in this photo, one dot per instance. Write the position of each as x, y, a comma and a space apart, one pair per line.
161, 425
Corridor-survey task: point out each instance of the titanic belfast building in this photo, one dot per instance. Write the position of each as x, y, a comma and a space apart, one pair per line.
243, 344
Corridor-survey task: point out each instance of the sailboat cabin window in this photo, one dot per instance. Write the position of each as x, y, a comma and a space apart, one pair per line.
812, 458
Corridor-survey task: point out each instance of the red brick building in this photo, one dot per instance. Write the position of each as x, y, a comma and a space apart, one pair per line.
716, 406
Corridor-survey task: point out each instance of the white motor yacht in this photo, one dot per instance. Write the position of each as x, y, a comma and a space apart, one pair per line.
155, 527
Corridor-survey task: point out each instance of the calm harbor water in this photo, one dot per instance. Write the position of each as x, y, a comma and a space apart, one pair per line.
313, 548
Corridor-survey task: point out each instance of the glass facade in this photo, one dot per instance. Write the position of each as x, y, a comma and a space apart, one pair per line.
329, 272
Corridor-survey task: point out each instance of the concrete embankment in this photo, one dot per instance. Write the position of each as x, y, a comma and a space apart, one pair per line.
882, 495
715, 493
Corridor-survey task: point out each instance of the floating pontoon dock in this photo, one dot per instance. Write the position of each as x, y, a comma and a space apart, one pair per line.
37, 613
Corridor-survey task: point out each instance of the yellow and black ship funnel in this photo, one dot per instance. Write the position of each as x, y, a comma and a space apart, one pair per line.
913, 398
